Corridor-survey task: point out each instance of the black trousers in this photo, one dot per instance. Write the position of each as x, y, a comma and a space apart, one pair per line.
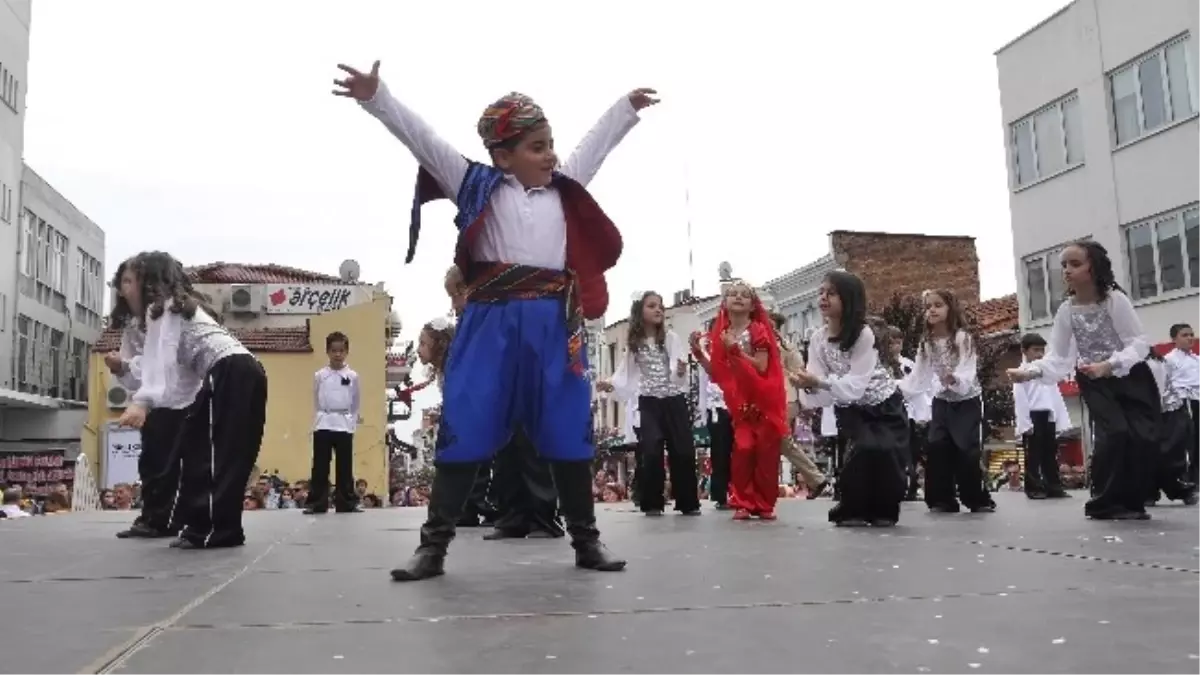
158, 467
1193, 461
872, 478
1176, 441
452, 485
338, 447
524, 493
954, 471
479, 500
1041, 455
917, 435
1125, 412
219, 446
666, 426
720, 437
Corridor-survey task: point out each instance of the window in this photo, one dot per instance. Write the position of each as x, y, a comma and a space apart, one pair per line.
1047, 142
28, 243
1045, 289
58, 266
6, 203
1158, 89
1162, 253
23, 353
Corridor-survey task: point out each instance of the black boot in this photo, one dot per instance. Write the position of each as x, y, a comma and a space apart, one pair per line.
574, 480
451, 487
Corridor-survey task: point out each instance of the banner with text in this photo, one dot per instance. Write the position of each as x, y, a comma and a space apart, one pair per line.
311, 298
37, 472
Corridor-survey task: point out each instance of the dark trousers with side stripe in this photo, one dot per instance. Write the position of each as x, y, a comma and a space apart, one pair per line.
219, 446
158, 466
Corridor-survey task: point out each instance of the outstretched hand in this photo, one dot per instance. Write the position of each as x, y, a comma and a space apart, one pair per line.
643, 98
358, 86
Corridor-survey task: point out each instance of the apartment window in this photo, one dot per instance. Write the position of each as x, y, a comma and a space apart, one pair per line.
23, 353
28, 243
1162, 253
6, 203
1044, 285
1047, 142
77, 374
1156, 90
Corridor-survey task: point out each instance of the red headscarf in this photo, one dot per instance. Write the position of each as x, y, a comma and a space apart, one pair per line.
740, 382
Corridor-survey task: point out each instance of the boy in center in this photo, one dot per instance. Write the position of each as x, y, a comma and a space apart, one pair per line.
533, 247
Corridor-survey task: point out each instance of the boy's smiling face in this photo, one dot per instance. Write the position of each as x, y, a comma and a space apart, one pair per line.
532, 160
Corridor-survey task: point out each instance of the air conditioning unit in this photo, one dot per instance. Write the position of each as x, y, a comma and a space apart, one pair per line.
247, 299
118, 397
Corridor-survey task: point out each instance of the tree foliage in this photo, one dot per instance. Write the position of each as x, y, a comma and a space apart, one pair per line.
908, 314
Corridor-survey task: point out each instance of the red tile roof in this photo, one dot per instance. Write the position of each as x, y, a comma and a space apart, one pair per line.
237, 273
997, 314
293, 339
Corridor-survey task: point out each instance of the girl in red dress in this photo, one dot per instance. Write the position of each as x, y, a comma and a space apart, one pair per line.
745, 364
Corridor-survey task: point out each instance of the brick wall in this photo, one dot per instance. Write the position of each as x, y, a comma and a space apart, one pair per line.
908, 264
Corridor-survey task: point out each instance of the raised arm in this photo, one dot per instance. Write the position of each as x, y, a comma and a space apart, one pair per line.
607, 133
159, 361
439, 158
1061, 355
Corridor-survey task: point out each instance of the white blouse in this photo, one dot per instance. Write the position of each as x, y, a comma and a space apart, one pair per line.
627, 378
133, 346
858, 380
335, 400
522, 226
1036, 395
179, 353
925, 378
1084, 333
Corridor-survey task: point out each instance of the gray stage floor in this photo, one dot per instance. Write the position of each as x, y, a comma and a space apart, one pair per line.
1031, 588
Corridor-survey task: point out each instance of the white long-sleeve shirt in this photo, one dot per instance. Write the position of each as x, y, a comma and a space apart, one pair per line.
521, 226
627, 376
335, 400
1186, 373
920, 406
935, 360
178, 354
1106, 331
1037, 395
846, 378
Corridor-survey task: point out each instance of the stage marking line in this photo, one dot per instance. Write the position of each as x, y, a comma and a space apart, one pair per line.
118, 656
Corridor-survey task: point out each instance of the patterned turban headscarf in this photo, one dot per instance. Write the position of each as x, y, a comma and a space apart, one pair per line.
508, 118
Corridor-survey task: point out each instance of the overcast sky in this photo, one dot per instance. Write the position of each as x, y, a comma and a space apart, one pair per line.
207, 129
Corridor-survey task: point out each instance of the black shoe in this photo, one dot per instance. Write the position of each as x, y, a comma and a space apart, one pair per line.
654, 514
594, 556
354, 509
538, 533
944, 508
176, 543
1190, 500
818, 491
1034, 494
851, 522
468, 521
1057, 494
424, 564
1131, 515
141, 531
722, 506
883, 522
984, 508
313, 511
692, 512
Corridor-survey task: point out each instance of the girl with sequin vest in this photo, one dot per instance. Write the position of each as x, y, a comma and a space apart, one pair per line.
654, 372
1169, 475
1098, 336
947, 368
849, 369
158, 468
219, 441
745, 363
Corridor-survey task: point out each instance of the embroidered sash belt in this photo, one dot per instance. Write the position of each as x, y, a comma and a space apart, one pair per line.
492, 282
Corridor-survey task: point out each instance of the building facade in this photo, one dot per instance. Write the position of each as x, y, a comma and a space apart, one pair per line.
1099, 106
14, 63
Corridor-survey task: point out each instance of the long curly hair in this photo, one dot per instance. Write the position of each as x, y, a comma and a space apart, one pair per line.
1102, 268
165, 285
637, 323
956, 320
122, 315
440, 337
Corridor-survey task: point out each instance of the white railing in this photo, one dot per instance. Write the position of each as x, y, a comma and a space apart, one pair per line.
84, 495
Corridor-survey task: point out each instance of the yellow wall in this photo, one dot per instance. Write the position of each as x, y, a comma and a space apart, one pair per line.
287, 439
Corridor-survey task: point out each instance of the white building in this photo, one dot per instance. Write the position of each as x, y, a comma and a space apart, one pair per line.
1099, 106
14, 62
51, 277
